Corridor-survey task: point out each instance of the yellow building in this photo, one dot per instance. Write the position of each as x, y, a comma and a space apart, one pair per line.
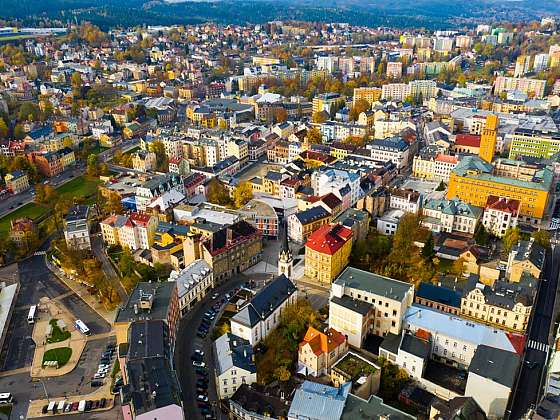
327, 252
504, 305
16, 182
473, 180
370, 94
488, 139
526, 257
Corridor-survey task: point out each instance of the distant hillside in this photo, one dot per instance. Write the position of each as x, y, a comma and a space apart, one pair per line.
398, 13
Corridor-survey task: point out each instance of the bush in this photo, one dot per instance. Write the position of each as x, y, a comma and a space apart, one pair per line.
60, 354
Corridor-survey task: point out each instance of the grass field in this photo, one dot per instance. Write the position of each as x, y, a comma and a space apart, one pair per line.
81, 186
30, 210
57, 334
60, 354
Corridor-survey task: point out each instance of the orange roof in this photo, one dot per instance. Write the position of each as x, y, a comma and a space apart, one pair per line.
469, 140
322, 343
328, 239
447, 158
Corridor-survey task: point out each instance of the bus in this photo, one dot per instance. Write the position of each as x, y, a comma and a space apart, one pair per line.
6, 398
82, 327
31, 314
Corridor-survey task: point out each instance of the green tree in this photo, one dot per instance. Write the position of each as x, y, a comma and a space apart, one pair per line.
319, 117
541, 237
511, 237
428, 249
481, 236
77, 83
19, 132
441, 186
360, 106
282, 374
92, 169
3, 129
114, 204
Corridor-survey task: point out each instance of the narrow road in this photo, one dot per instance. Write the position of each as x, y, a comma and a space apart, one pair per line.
99, 251
530, 381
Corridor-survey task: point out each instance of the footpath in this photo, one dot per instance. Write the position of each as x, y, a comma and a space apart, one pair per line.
82, 291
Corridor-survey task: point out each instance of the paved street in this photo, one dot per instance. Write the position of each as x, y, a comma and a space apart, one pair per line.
187, 341
37, 281
99, 250
529, 386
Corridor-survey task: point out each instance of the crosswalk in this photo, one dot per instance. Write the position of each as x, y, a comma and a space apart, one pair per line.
536, 345
39, 253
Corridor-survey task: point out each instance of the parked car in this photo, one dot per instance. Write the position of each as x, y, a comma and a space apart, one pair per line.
204, 411
197, 357
197, 363
45, 409
202, 404
198, 351
201, 371
201, 397
102, 402
96, 383
75, 405
99, 375
95, 405
215, 296
88, 405
201, 334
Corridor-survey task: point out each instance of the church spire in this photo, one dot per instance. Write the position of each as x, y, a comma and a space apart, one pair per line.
285, 258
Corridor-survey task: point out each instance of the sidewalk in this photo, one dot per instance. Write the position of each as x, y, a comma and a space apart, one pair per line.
83, 293
50, 309
36, 406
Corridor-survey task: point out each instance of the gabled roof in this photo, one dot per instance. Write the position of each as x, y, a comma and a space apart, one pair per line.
329, 239
322, 343
495, 364
265, 302
233, 351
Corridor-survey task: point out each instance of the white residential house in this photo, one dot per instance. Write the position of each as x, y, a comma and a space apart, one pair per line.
500, 214
77, 228
260, 316
193, 283
406, 200
441, 215
234, 364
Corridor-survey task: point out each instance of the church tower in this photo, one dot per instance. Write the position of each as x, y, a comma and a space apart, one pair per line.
285, 258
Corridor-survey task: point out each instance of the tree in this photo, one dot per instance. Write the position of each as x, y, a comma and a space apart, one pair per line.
28, 111
19, 132
162, 162
541, 237
280, 115
314, 136
92, 165
3, 129
242, 194
458, 267
114, 204
319, 117
481, 235
360, 106
217, 193
428, 249
441, 186
511, 237
282, 374
77, 84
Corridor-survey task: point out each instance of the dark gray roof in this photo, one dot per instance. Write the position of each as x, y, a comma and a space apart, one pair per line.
355, 305
495, 364
266, 301
374, 408
79, 212
391, 343
312, 214
260, 403
151, 384
415, 346
439, 294
147, 339
161, 295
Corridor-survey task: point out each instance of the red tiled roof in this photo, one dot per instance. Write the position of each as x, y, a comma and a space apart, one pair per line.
469, 140
322, 343
503, 204
517, 341
328, 239
447, 158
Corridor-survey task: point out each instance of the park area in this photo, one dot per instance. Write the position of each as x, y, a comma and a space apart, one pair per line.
81, 186
61, 355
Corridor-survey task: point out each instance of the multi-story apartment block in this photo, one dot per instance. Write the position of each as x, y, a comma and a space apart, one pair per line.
370, 94
16, 182
473, 180
323, 102
334, 181
391, 127
532, 87
327, 252
394, 69
155, 186
450, 216
262, 314
363, 302
500, 214
533, 139
434, 168
394, 149
303, 223
134, 231
503, 305
406, 200
144, 161
193, 283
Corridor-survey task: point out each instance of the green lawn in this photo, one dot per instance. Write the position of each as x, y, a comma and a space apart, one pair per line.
57, 335
81, 186
60, 354
30, 210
